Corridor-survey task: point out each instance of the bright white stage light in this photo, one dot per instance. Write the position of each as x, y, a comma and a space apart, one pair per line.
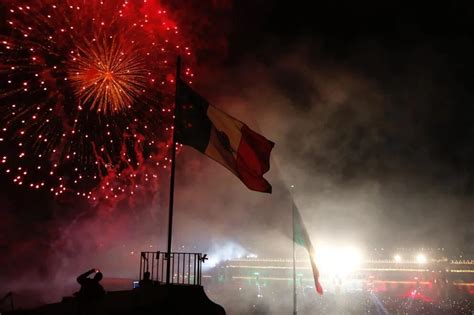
421, 259
338, 261
397, 258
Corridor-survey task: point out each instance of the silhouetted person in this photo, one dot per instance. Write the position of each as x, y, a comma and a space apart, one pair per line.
91, 290
146, 281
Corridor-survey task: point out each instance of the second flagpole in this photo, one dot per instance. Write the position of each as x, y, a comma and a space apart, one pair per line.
295, 307
173, 165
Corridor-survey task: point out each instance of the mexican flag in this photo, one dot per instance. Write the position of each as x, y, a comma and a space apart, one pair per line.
301, 237
223, 138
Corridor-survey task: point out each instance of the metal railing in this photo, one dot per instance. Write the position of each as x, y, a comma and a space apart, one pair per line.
185, 268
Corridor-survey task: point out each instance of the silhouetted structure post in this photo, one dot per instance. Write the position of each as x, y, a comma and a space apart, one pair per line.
295, 310
173, 163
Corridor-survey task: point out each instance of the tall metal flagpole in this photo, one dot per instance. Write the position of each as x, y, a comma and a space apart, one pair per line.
173, 164
295, 309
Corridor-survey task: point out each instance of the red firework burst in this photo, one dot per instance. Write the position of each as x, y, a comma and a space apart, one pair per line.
107, 76
86, 93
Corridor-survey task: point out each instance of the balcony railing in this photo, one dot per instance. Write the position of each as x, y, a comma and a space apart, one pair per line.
185, 268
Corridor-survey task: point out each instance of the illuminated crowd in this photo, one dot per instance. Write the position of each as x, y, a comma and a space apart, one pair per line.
385, 281
250, 301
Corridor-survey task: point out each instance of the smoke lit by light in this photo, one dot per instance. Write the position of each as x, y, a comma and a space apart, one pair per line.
421, 259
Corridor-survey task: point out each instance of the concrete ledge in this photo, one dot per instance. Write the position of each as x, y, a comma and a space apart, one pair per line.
159, 299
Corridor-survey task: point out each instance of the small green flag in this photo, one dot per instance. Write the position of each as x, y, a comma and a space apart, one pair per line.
301, 237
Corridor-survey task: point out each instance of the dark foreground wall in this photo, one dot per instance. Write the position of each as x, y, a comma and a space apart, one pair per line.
161, 299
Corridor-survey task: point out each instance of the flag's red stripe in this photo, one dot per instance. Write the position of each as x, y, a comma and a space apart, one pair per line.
319, 288
253, 159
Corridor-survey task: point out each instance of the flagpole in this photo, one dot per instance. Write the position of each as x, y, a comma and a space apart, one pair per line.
173, 165
294, 263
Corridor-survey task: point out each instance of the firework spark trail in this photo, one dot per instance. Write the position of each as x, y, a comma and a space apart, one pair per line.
86, 91
107, 76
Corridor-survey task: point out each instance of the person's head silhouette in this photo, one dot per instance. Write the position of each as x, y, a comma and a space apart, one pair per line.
146, 275
98, 276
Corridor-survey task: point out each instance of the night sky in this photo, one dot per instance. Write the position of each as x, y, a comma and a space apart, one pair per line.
371, 109
375, 94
